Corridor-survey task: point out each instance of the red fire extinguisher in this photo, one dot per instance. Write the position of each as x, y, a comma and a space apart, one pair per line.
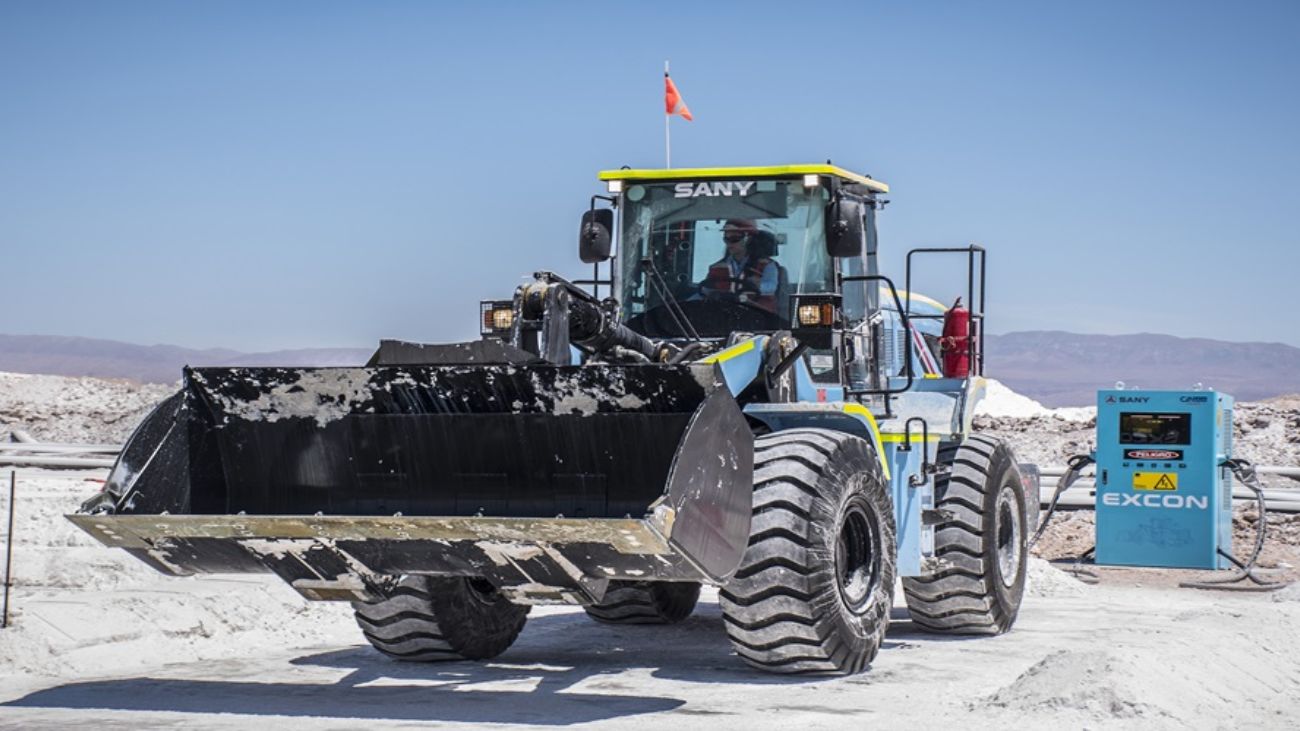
955, 344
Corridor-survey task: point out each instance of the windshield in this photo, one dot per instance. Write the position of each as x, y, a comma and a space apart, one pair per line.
729, 252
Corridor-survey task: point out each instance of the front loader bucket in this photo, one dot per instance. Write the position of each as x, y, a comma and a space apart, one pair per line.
548, 480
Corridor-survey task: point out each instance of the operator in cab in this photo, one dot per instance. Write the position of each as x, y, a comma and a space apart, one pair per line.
747, 269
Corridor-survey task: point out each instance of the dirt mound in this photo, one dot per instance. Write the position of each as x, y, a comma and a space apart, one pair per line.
1197, 675
1045, 579
1080, 682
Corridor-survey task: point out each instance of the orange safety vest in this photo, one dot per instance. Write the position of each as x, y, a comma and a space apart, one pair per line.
719, 280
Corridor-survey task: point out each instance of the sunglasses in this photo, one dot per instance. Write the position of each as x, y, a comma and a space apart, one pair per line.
732, 237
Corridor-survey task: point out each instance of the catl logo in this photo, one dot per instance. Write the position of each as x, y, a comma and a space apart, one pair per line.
1155, 454
717, 188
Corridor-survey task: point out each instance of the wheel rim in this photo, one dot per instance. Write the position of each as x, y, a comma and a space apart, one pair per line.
1008, 535
857, 556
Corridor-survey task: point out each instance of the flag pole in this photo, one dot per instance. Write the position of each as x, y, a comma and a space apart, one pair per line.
668, 140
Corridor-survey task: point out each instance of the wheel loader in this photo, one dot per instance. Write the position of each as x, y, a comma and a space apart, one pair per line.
736, 397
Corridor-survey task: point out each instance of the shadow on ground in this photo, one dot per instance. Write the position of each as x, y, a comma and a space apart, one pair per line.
564, 669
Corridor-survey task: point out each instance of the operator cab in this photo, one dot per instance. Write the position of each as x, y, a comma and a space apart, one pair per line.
704, 253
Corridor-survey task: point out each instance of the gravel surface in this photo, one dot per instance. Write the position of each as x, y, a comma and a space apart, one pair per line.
82, 410
1265, 433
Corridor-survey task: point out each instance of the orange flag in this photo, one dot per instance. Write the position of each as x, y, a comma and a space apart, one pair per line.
673, 103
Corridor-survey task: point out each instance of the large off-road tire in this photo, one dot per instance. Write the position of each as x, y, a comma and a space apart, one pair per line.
816, 582
427, 619
982, 549
646, 602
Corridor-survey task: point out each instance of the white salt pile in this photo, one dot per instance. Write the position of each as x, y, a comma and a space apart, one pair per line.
1000, 401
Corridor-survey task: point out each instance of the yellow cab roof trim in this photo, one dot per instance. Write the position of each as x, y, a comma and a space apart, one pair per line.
770, 171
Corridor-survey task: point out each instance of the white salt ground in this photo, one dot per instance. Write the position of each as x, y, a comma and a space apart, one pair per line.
83, 609
101, 640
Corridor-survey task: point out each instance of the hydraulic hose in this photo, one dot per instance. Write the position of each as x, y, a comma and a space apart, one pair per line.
1245, 472
682, 355
591, 328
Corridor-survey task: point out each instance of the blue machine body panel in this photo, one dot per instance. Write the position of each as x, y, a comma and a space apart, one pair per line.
911, 498
1162, 498
901, 456
944, 405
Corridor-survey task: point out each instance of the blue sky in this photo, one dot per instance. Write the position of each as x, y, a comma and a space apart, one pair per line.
274, 175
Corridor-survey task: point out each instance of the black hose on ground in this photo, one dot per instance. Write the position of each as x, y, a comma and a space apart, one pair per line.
1074, 467
1077, 570
1245, 472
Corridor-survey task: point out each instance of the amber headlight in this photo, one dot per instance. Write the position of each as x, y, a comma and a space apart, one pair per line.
816, 319
817, 315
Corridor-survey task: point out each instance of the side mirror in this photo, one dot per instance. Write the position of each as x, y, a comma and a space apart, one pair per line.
844, 227
595, 235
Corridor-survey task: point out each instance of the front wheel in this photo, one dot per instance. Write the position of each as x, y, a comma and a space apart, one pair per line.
982, 548
429, 619
646, 602
816, 582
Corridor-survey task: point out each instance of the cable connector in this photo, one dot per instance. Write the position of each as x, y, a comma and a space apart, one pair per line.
1244, 471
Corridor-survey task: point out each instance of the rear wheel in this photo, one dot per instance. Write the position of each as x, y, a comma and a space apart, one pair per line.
428, 619
816, 582
982, 548
646, 602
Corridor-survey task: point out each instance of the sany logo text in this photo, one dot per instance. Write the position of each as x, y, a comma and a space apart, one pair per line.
717, 188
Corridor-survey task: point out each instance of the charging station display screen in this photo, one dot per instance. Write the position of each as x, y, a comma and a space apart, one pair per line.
1155, 428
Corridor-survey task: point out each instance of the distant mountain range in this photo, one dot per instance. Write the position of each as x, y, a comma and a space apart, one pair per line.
1066, 369
72, 356
1056, 368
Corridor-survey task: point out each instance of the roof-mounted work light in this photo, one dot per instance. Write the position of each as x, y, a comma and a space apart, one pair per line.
496, 317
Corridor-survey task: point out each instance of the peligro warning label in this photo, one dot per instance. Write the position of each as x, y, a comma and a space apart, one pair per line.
1163, 481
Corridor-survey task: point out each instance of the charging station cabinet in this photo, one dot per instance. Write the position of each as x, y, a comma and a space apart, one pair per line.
1162, 498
